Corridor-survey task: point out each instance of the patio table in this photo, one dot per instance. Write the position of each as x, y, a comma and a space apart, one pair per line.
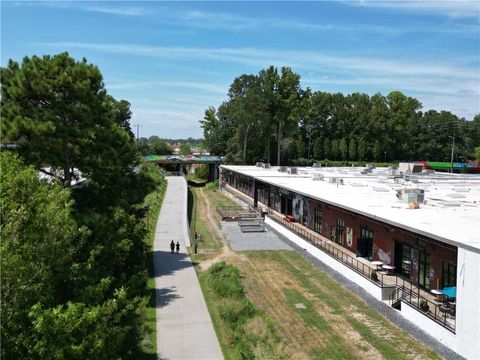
388, 268
377, 263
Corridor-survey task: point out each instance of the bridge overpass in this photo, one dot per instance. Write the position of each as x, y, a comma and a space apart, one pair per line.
184, 162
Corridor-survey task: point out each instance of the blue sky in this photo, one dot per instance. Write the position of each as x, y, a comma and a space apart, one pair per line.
171, 60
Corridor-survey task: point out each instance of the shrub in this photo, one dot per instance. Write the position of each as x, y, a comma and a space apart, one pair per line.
424, 305
235, 312
225, 281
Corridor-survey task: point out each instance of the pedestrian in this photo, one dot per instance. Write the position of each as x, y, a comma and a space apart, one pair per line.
178, 247
196, 235
196, 245
172, 247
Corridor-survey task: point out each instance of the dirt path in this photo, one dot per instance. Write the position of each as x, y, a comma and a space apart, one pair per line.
209, 216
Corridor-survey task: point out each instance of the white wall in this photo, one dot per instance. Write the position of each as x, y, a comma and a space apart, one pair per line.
432, 328
370, 287
468, 304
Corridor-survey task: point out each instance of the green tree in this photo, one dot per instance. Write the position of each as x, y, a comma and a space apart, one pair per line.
326, 148
158, 146
58, 111
361, 149
343, 149
185, 149
123, 114
317, 149
377, 151
38, 243
476, 152
334, 152
352, 150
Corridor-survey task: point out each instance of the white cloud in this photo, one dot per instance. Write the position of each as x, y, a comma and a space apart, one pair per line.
452, 81
450, 8
129, 11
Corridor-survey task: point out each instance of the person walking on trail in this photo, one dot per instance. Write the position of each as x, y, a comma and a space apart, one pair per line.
172, 247
178, 247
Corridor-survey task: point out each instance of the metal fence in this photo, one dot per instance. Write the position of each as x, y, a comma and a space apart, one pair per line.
344, 257
441, 312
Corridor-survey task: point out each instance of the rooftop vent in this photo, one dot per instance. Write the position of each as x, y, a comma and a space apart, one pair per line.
317, 177
411, 195
447, 203
292, 170
336, 180
282, 169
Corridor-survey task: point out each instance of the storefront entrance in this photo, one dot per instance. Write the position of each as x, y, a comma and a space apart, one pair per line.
286, 205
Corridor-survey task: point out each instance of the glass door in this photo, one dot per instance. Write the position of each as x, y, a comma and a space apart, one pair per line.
424, 269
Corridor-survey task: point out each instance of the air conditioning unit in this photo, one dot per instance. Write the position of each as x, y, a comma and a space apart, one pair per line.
292, 171
266, 165
317, 177
282, 169
317, 165
333, 180
259, 164
411, 195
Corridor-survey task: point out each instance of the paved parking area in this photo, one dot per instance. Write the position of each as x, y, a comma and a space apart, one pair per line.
267, 240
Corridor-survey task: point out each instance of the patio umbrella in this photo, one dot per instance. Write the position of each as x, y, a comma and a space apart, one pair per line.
450, 291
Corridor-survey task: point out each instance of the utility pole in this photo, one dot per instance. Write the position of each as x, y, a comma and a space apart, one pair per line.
137, 126
453, 146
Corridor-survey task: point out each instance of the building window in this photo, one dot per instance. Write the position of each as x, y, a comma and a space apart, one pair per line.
449, 274
318, 220
339, 231
365, 243
403, 259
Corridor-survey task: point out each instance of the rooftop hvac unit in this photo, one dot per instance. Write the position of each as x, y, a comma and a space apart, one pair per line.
259, 164
411, 195
292, 171
317, 177
370, 166
317, 165
336, 180
266, 165
282, 169
366, 171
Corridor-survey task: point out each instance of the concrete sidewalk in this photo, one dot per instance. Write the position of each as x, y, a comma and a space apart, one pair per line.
184, 327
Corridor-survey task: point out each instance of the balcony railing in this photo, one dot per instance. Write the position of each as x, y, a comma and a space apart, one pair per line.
344, 257
441, 312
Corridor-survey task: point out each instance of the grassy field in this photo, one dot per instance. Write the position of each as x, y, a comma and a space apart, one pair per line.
149, 344
203, 219
308, 314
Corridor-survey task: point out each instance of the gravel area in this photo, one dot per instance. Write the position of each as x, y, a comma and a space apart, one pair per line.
267, 240
387, 311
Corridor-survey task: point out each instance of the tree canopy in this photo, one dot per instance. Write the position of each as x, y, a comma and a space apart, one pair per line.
270, 117
73, 275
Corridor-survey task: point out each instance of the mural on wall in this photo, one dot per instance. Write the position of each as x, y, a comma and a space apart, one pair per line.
349, 237
385, 256
300, 208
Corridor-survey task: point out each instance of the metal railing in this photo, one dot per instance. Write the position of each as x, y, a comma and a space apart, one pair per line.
441, 312
344, 257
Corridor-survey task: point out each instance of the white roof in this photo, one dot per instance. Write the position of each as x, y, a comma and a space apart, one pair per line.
451, 212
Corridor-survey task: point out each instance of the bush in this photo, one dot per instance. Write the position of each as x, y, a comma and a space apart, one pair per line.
201, 172
235, 312
424, 305
225, 281
212, 185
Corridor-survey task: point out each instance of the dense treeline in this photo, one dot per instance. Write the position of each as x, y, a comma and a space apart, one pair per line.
73, 277
270, 117
154, 145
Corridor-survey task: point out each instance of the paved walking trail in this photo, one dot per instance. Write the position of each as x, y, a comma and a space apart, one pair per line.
184, 327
